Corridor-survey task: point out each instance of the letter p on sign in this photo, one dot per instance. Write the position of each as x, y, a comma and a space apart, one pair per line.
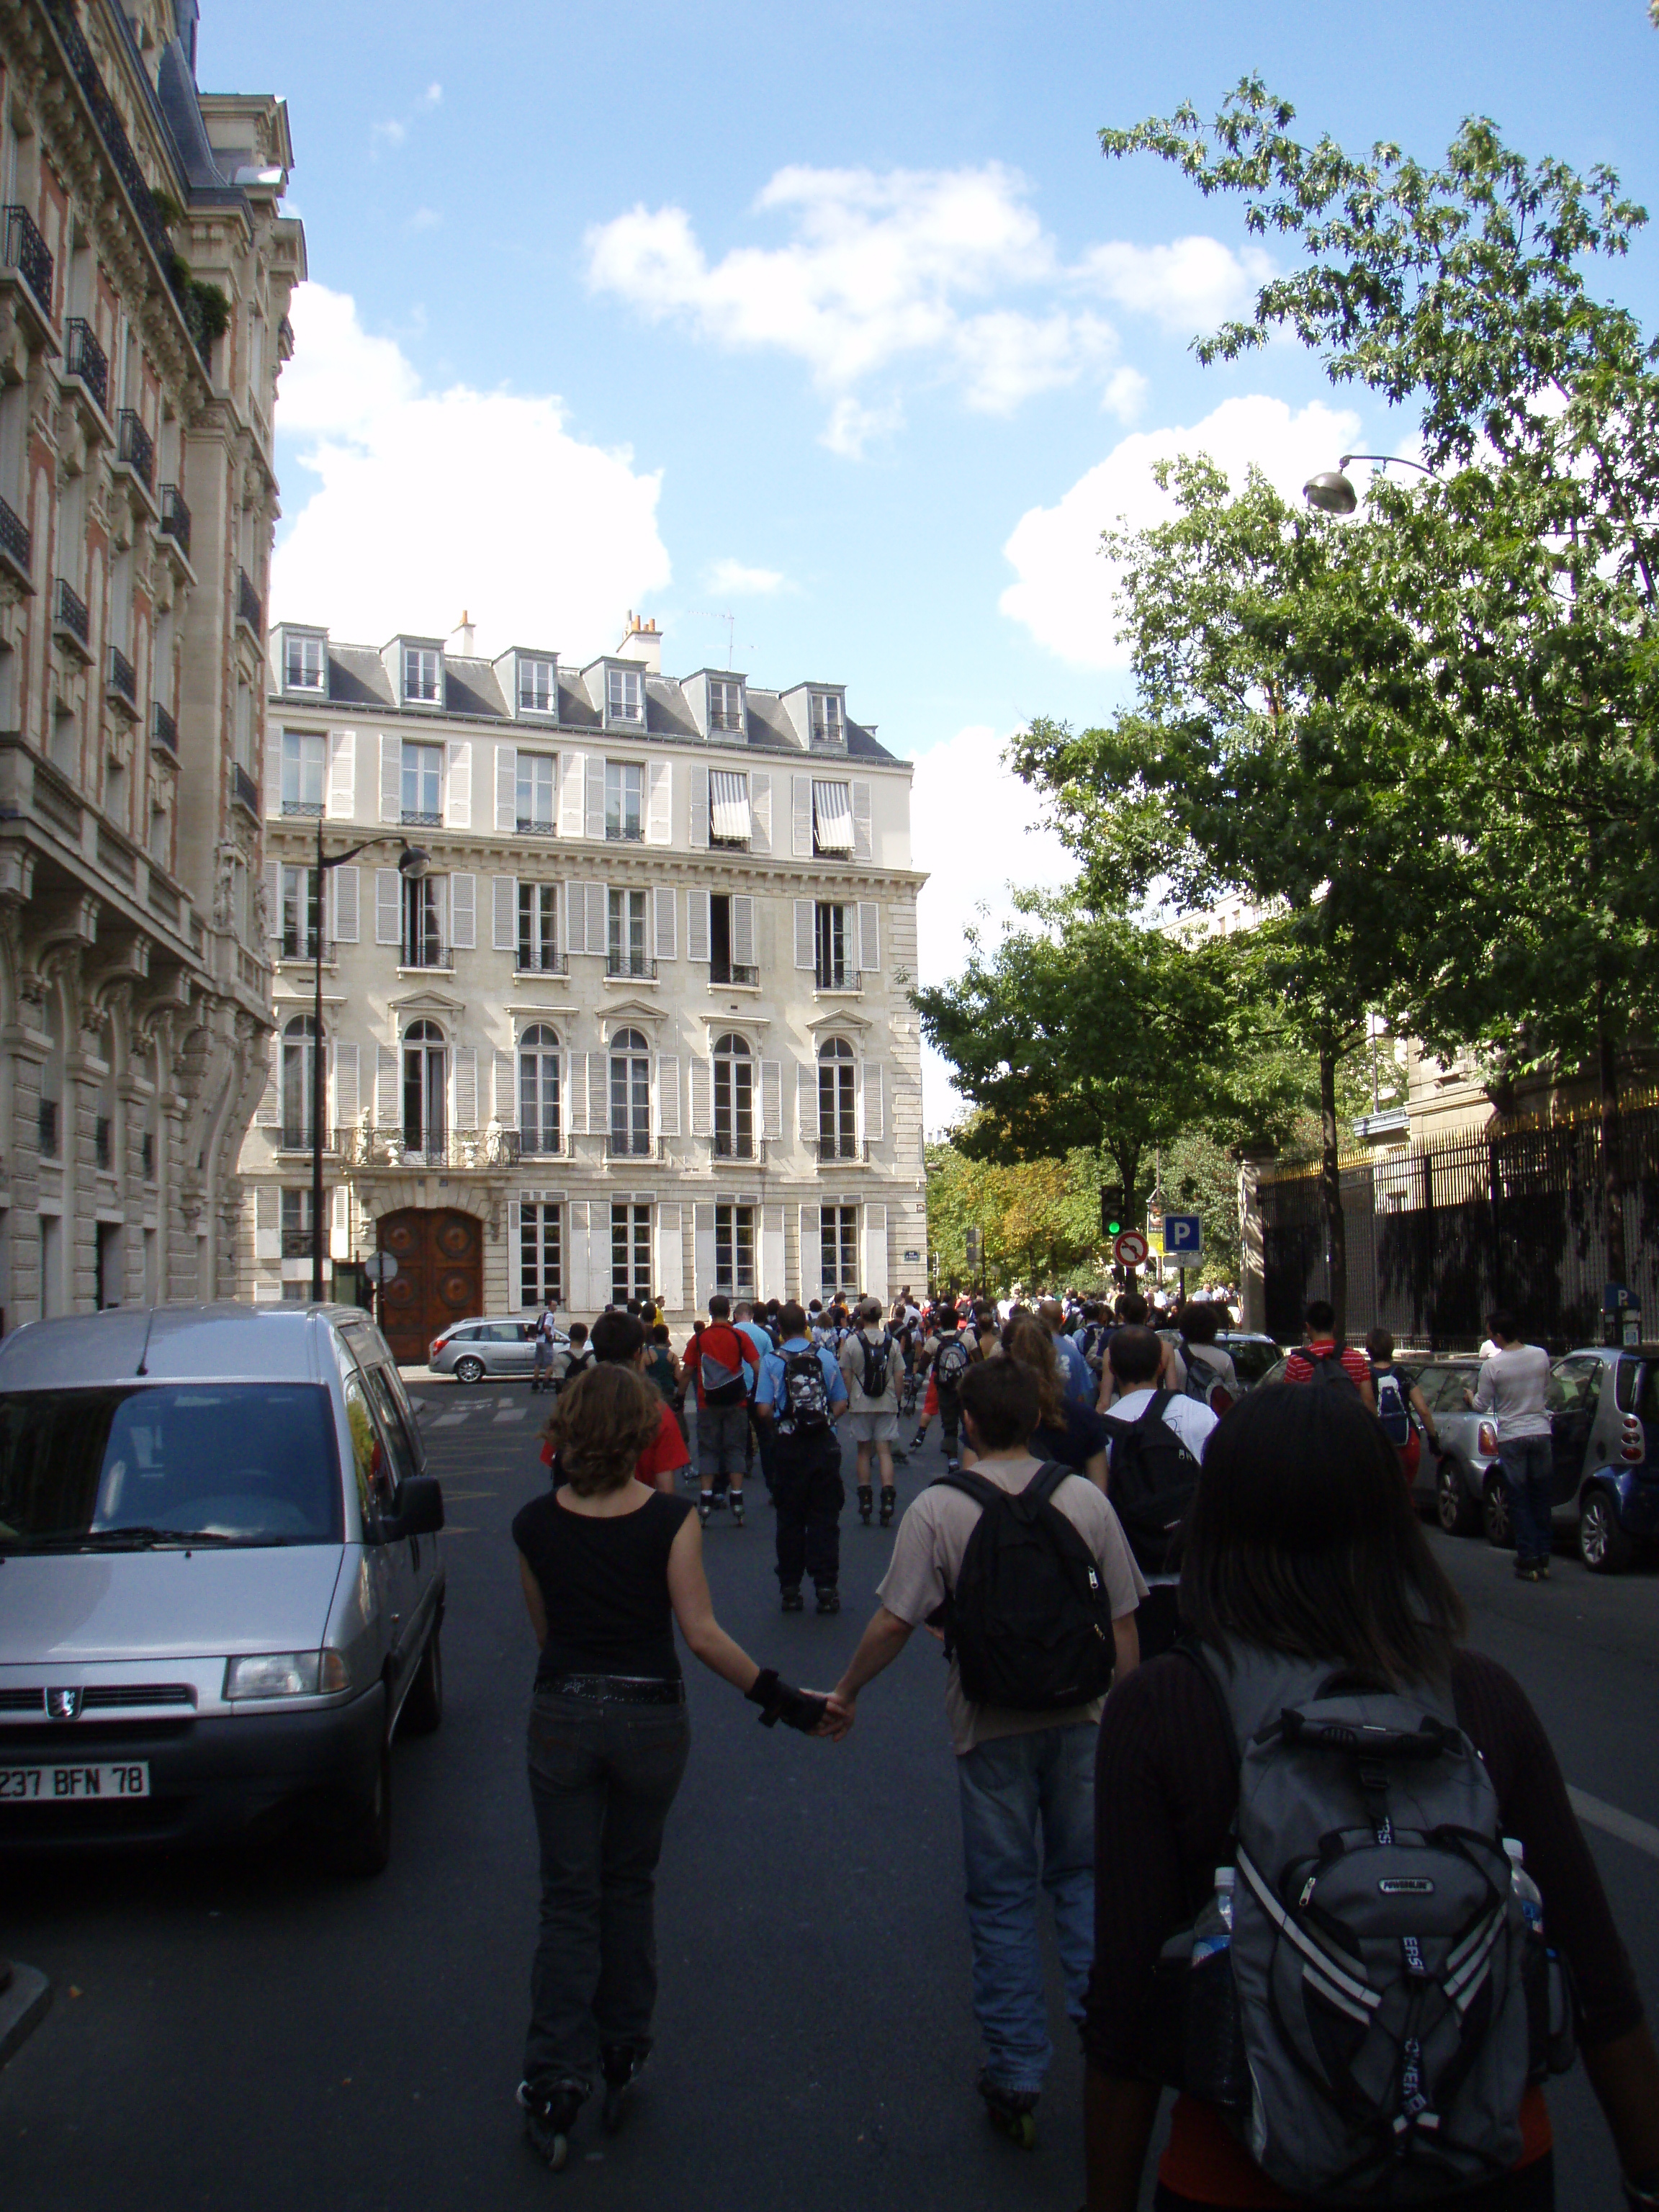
1183, 1238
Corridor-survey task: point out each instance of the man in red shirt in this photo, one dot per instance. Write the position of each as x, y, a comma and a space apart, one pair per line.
727, 1368
619, 1341
1320, 1361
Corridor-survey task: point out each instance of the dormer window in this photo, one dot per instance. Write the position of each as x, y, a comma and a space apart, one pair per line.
304, 663
829, 727
424, 668
725, 704
538, 687
625, 694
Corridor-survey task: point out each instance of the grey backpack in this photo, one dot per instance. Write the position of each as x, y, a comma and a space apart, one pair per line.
1393, 1998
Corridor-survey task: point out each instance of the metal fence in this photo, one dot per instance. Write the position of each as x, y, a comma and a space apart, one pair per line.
1439, 1234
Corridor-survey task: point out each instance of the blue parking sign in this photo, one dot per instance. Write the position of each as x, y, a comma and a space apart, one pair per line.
1183, 1238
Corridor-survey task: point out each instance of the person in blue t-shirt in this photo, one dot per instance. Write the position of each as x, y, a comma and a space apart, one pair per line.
799, 1393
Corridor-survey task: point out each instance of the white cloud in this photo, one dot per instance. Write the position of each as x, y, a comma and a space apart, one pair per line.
977, 830
912, 268
1065, 585
425, 218
738, 581
395, 130
431, 501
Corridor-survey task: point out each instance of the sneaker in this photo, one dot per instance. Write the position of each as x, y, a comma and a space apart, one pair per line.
1012, 2113
621, 2065
705, 1507
829, 1598
1526, 1571
737, 1509
549, 2116
792, 1599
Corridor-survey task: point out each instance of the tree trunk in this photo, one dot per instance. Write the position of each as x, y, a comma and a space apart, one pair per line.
1330, 1190
1613, 1184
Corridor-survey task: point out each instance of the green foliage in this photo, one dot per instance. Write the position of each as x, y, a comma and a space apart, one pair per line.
1039, 1218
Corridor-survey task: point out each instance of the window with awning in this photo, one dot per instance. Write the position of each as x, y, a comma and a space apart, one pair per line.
729, 807
832, 817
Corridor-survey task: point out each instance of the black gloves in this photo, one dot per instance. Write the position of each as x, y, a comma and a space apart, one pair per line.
796, 1709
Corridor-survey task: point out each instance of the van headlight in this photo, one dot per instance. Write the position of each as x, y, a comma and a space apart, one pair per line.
284, 1675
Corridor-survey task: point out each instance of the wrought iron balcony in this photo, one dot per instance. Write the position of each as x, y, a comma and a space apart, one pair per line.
301, 945
737, 1144
308, 809
295, 1138
529, 827
175, 517
426, 951
16, 540
624, 833
244, 790
413, 818
629, 1144
47, 1128
28, 252
84, 357
635, 964
135, 447
296, 1243
122, 681
732, 971
539, 1140
831, 978
842, 1148
163, 730
249, 608
546, 963
69, 616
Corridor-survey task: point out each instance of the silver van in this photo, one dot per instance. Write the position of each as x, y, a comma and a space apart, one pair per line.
221, 1587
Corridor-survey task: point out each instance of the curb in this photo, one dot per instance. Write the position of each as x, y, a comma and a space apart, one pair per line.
24, 2005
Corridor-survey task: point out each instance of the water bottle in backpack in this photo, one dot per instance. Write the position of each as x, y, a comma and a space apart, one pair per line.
1217, 2066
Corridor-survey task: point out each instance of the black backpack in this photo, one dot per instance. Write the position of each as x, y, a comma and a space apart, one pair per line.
1154, 1476
1328, 1369
877, 1359
1029, 1623
805, 1395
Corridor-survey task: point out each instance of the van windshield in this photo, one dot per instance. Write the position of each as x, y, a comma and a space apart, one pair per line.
142, 1464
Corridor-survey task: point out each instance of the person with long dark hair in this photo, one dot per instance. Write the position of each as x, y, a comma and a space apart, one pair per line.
1305, 1561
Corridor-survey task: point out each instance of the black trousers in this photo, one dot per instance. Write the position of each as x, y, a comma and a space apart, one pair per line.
810, 1493
950, 1419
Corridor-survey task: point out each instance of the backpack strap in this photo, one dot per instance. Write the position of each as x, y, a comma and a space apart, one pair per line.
972, 1486
1040, 1490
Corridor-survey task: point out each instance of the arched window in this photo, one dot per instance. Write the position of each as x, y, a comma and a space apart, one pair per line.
299, 1081
426, 1090
630, 1094
837, 1101
539, 1089
734, 1099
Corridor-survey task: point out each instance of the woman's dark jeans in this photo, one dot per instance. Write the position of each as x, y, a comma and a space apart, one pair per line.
1528, 1475
602, 1778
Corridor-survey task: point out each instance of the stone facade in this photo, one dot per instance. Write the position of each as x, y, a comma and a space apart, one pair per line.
644, 1024
145, 273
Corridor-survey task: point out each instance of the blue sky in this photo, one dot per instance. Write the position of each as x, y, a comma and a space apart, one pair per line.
819, 316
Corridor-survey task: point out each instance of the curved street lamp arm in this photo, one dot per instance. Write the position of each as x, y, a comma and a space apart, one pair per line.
1391, 460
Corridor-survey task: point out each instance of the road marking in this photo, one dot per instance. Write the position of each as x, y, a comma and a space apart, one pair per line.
449, 1420
512, 1413
1613, 1822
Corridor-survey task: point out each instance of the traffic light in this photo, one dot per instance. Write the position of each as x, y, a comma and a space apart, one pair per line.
971, 1239
1114, 1213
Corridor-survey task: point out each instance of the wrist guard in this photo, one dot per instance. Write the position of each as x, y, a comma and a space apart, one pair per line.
778, 1702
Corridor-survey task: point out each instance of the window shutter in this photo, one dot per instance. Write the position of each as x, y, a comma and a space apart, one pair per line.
440, 890
659, 803
873, 1088
772, 1097
462, 912
760, 821
698, 807
575, 1091
811, 1254
703, 1248
806, 1105
267, 1221
388, 906
507, 788
803, 920
863, 837
594, 822
507, 1093
576, 938
702, 1099
598, 1116
598, 1254
392, 778
670, 1262
466, 1089
668, 1095
515, 1255
576, 1287
339, 1234
696, 925
504, 912
803, 817
869, 937
572, 767
743, 932
273, 901
594, 917
269, 1112
347, 882
386, 1090
341, 774
346, 1108
668, 937
771, 1253
457, 787
875, 1252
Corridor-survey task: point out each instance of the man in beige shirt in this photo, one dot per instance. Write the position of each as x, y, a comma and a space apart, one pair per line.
870, 1353
1021, 1774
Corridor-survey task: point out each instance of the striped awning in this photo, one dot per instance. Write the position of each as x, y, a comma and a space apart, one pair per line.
832, 816
728, 806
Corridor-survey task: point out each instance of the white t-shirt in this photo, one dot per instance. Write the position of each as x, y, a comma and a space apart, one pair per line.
1191, 1422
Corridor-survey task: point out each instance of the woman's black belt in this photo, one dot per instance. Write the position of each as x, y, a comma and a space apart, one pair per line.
616, 1689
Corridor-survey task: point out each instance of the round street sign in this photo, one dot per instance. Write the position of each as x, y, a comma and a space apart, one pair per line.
380, 1267
1131, 1249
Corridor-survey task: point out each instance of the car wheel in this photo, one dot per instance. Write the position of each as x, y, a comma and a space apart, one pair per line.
1458, 1514
469, 1370
424, 1708
1495, 1512
362, 1841
1602, 1544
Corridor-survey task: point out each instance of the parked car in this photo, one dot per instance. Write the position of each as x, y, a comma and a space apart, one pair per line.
223, 1590
1604, 1429
1461, 1483
472, 1349
1252, 1355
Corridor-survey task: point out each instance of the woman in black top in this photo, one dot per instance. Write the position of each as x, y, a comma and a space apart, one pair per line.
608, 1566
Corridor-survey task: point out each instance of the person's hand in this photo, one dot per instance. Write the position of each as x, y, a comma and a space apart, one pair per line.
1468, 1397
804, 1709
840, 1714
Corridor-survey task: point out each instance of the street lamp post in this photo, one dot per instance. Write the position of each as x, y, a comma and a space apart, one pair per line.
412, 865
1332, 491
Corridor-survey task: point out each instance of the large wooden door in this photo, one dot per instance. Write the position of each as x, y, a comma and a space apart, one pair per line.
439, 1278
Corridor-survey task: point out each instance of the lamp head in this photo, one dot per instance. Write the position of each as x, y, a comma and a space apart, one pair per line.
1331, 492
413, 863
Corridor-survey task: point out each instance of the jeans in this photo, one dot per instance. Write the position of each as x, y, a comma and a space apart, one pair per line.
810, 1493
722, 1433
1008, 1786
1528, 1470
602, 1778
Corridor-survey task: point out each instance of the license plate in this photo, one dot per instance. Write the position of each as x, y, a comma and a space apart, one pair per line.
73, 1783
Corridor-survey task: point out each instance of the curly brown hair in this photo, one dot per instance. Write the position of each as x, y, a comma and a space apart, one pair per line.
603, 1421
1030, 1345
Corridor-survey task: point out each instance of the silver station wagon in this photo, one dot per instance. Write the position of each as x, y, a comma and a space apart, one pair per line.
221, 1587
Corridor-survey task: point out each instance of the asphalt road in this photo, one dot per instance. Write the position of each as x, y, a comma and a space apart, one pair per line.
240, 2030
